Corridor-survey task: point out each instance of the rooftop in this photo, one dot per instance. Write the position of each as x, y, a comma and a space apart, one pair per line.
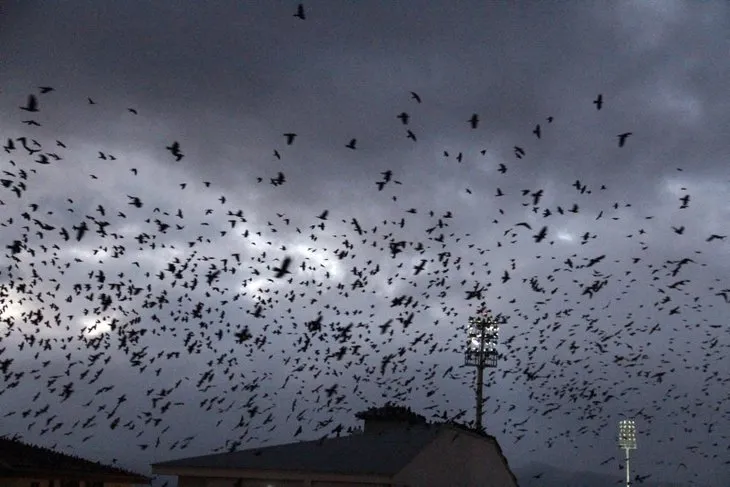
18, 458
375, 451
383, 453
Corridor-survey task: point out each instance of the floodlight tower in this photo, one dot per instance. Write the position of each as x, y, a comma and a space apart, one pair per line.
627, 441
481, 352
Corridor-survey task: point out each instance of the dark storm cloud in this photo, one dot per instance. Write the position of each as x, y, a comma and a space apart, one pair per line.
228, 80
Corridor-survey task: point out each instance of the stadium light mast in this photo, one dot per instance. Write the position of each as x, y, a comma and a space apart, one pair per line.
627, 441
481, 352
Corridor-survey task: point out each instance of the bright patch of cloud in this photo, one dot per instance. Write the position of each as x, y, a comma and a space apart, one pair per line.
320, 261
94, 326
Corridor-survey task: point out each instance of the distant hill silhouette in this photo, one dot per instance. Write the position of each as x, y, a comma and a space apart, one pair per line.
555, 477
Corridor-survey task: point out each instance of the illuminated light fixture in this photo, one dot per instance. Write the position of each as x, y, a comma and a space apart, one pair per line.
481, 352
627, 441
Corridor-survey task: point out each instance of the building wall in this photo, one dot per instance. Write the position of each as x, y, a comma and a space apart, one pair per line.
37, 482
456, 459
345, 484
191, 481
235, 482
230, 482
4, 482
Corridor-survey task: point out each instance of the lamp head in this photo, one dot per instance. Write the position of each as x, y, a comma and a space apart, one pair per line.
627, 434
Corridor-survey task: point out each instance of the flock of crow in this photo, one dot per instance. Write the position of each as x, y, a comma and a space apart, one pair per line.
365, 310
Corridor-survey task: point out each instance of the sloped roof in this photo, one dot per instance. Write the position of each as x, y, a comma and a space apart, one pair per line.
384, 453
17, 457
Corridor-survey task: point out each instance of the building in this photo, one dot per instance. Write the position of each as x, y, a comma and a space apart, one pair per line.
395, 448
24, 465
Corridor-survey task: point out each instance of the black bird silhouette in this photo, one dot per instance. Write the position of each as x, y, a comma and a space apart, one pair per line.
135, 201
540, 236
290, 138
598, 102
81, 229
403, 118
45, 89
474, 121
300, 12
175, 150
32, 105
537, 130
505, 276
279, 180
283, 269
685, 201
622, 138
415, 96
324, 214
351, 144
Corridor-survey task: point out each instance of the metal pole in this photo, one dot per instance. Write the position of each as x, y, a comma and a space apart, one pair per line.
628, 473
484, 330
480, 380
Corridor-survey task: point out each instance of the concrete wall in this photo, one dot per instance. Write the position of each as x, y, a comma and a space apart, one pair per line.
457, 459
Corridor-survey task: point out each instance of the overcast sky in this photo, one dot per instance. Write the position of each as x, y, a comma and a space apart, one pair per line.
605, 318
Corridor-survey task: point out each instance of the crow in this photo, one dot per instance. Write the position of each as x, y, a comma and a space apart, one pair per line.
622, 138
32, 105
474, 121
598, 102
290, 138
284, 269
